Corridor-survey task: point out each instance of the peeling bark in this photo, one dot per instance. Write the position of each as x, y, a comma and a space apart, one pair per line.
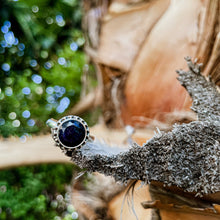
144, 40
187, 157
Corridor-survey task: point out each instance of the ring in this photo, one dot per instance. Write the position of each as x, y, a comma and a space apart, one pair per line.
69, 132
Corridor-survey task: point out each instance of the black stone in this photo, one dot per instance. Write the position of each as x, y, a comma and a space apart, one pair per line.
72, 133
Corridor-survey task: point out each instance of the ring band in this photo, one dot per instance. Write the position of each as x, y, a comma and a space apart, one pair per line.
69, 132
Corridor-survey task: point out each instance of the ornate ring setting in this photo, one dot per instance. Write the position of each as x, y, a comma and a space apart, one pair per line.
69, 132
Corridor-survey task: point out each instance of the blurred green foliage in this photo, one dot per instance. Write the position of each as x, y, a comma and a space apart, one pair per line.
36, 192
41, 62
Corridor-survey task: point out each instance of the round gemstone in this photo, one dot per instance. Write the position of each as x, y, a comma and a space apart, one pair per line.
72, 133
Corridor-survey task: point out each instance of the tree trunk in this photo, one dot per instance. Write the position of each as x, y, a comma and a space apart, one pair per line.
137, 46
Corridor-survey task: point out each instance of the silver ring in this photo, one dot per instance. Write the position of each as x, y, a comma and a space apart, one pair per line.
69, 132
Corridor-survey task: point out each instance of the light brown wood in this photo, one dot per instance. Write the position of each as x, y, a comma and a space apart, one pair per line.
141, 44
141, 194
41, 149
34, 150
153, 73
123, 33
87, 103
169, 215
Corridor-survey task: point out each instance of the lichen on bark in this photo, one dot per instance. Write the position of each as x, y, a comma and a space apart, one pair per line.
188, 156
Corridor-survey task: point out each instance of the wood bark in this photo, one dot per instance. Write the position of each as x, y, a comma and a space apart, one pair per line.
137, 45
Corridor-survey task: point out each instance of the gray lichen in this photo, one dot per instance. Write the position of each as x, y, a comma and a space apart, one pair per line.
188, 156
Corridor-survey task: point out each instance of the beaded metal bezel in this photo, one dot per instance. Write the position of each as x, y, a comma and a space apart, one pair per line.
55, 131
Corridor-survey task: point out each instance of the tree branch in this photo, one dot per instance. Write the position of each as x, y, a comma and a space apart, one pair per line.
206, 99
188, 156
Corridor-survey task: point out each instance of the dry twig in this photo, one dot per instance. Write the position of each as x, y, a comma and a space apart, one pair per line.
188, 156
